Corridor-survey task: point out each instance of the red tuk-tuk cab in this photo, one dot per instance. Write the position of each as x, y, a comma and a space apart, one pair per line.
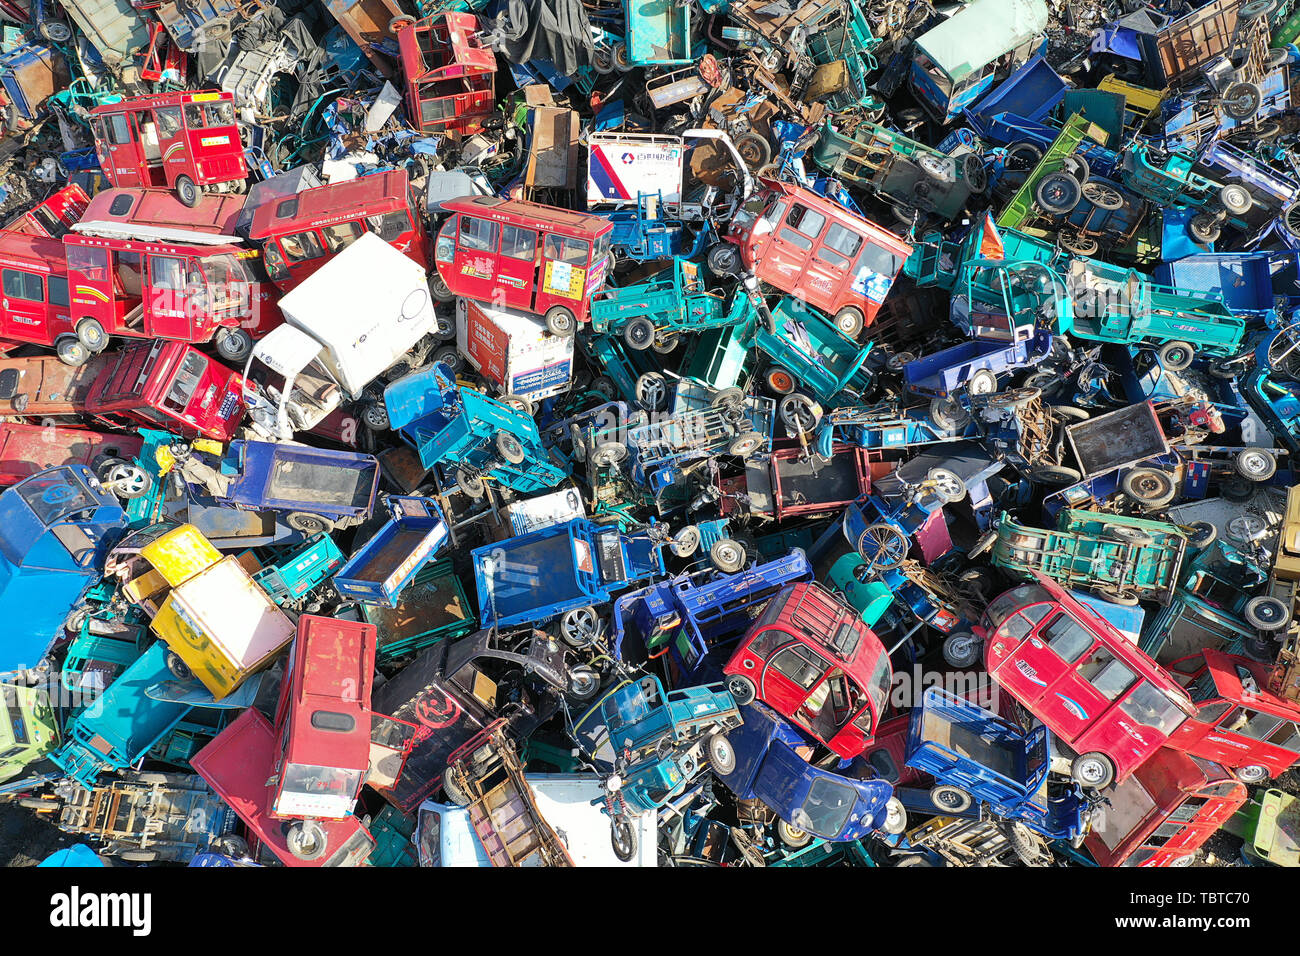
148, 282
168, 385
323, 720
214, 214
26, 449
237, 764
1239, 722
811, 659
816, 250
1092, 687
449, 72
54, 216
1164, 812
300, 233
522, 255
182, 141
34, 308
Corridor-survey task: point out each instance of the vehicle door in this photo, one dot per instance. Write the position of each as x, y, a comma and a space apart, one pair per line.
475, 264
25, 316
516, 273
831, 264
173, 297
1028, 664
1244, 735
566, 260
118, 151
791, 679
172, 144
790, 252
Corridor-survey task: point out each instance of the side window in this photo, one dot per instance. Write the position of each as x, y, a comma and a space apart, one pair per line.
23, 285
1110, 677
342, 235
91, 263
839, 246
566, 249
766, 641
1251, 723
168, 120
119, 130
301, 246
219, 114
166, 273
58, 290
194, 116
390, 225
287, 209
878, 260
802, 226
800, 664
518, 243
1067, 638
121, 205
1287, 736
477, 235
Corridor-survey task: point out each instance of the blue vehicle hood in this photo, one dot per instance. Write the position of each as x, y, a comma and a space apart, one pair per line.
35, 602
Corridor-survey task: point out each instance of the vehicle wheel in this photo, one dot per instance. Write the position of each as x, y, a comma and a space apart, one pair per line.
608, 453
1183, 861
1102, 196
622, 838
308, 523
1242, 100
1255, 464
1291, 218
754, 150
1093, 769
472, 485
1068, 412
138, 856
1022, 156
972, 170
1204, 228
449, 356
1149, 487
723, 259
950, 799
92, 335
791, 836
652, 392
178, 668
233, 345
230, 845
376, 416
439, 289
580, 627
621, 61
1054, 474
948, 415
948, 484
1246, 528
1254, 9
1203, 534
560, 321
1266, 613
895, 816
187, 192
745, 444
1078, 243
799, 413
721, 756
1236, 199
914, 860
1133, 536
397, 24
1252, 774
665, 343
779, 381
883, 546
602, 60
1027, 845
639, 333
1077, 167
1058, 193
962, 650
452, 791
56, 31
727, 555
849, 321
1115, 596
510, 448
742, 689
685, 542
1015, 397
981, 382
1176, 356
306, 840
71, 352
583, 682
1236, 489
127, 480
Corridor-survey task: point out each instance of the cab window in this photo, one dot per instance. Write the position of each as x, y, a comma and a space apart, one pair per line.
166, 273
91, 263
566, 249
477, 235
194, 116
301, 246
338, 237
118, 129
766, 641
186, 382
839, 246
1067, 638
219, 114
518, 243
23, 285
168, 120
802, 226
1148, 706
1107, 675
879, 260
390, 225
58, 290
800, 664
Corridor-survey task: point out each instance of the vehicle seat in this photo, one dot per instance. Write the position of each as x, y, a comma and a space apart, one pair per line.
315, 390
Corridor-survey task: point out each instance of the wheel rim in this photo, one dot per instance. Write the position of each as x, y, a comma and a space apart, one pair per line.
728, 555
949, 799
651, 391
580, 626
1092, 771
781, 382
962, 649
1253, 773
1254, 464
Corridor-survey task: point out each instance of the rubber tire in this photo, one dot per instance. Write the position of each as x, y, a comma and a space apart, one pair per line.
70, 352
1022, 845
1055, 475
639, 333
608, 453
297, 840
561, 322
981, 382
1165, 493
756, 144
1058, 205
1265, 622
188, 193
742, 689
1242, 100
138, 856
727, 555
238, 351
1176, 356
583, 682
1253, 773
308, 523
722, 756
1134, 536
745, 444
177, 667
849, 321
622, 838
452, 792
1203, 535
1204, 228
956, 492
1269, 462
774, 373
1103, 780
962, 641
723, 259
685, 542
510, 448
1236, 198
92, 335
791, 836
958, 798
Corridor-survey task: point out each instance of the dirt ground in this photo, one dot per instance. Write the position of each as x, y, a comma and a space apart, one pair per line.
27, 837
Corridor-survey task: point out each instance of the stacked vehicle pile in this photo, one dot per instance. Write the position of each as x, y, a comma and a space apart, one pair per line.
882, 459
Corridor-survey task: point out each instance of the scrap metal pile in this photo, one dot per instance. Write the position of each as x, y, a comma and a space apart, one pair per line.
880, 457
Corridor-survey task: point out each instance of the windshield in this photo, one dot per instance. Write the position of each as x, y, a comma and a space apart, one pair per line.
309, 790
55, 494
227, 280
430, 837
826, 808
1002, 606
878, 685
185, 383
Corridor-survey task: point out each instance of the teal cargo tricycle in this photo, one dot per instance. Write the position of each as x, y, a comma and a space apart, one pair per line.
807, 350
655, 312
1120, 558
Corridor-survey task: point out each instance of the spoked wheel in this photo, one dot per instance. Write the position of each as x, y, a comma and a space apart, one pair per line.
883, 546
652, 392
800, 413
580, 627
948, 484
622, 838
128, 481
1102, 196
